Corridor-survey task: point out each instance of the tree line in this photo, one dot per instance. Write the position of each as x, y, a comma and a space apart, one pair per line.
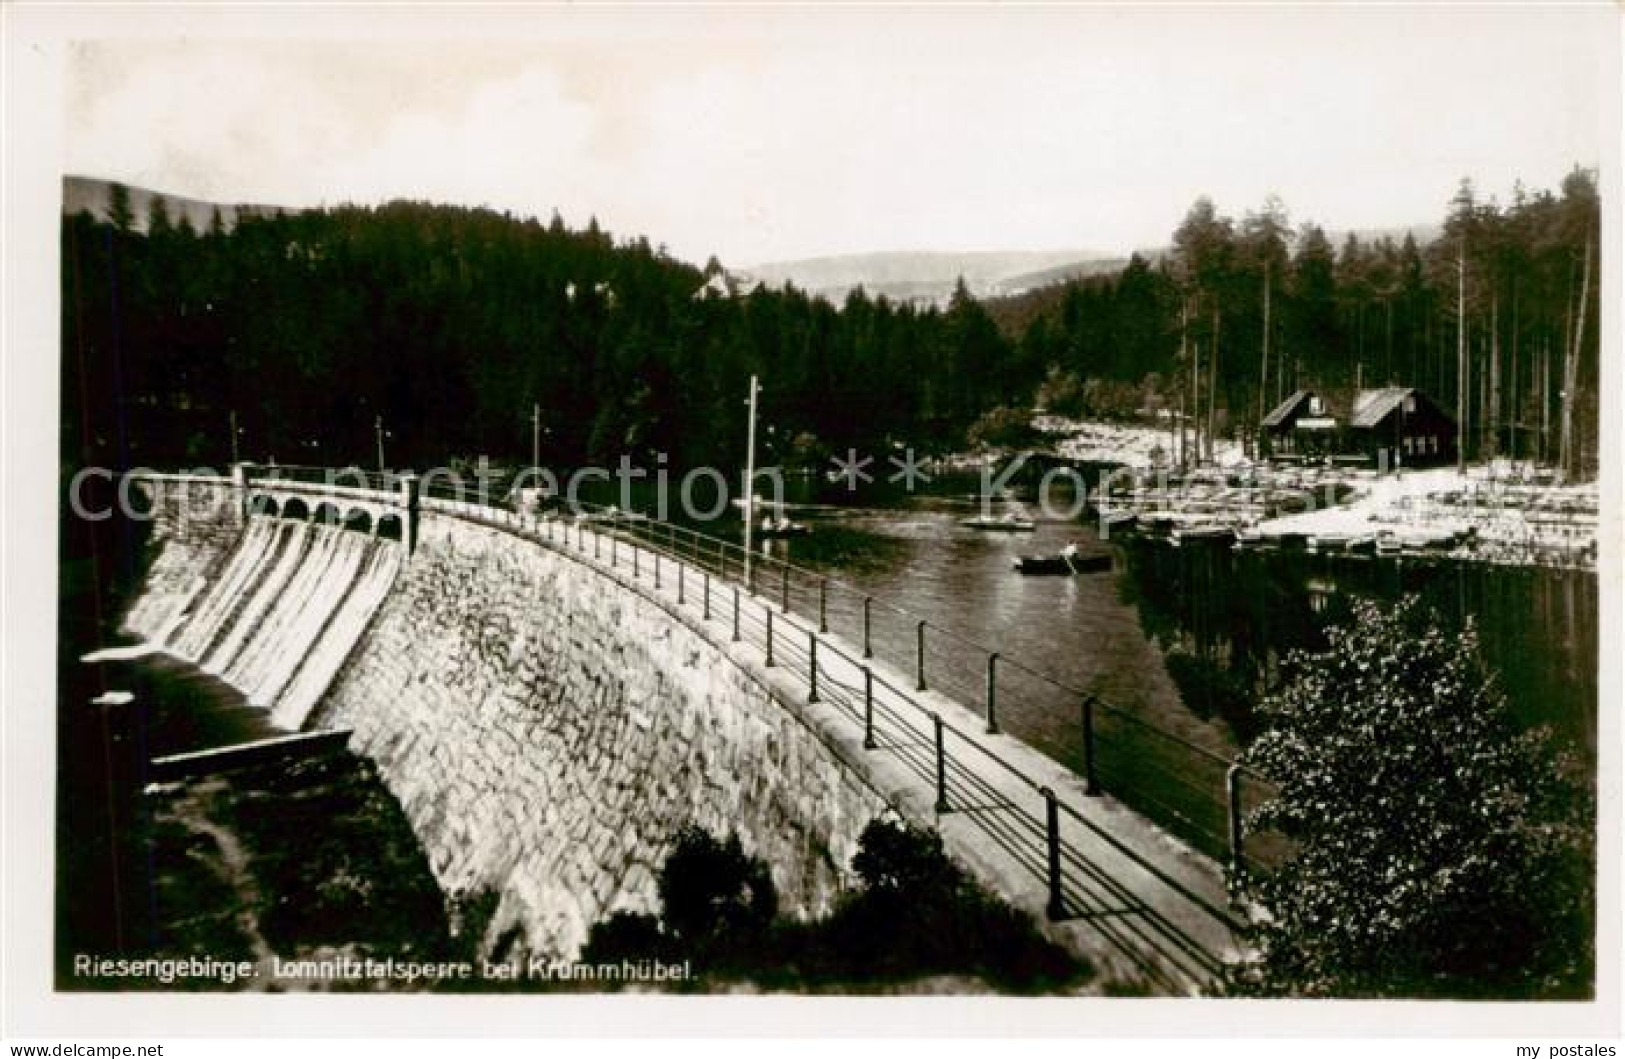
449, 325
1496, 317
443, 327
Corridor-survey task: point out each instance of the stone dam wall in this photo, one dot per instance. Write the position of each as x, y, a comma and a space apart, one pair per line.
546, 729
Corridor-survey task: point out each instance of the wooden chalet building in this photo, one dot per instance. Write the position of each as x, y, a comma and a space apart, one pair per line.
1400, 421
1299, 427
1406, 423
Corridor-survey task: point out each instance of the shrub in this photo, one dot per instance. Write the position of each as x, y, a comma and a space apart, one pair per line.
625, 936
1440, 852
712, 896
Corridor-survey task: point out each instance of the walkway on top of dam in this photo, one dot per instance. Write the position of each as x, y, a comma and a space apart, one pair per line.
1098, 876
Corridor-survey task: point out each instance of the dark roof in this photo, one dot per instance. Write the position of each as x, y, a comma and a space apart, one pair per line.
1286, 408
1372, 406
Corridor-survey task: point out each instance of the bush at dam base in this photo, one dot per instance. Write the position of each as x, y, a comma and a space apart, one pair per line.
306, 877
914, 919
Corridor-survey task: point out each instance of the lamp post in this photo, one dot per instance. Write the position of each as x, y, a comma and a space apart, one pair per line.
378, 430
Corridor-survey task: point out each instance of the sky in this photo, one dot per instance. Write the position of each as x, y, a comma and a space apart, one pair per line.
772, 135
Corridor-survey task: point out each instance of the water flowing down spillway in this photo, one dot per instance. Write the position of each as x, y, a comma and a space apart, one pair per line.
284, 611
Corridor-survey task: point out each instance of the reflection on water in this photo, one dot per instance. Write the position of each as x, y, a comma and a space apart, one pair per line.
1184, 638
1229, 617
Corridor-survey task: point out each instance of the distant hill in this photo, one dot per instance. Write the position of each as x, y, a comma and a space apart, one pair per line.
1076, 270
928, 276
94, 194
1424, 234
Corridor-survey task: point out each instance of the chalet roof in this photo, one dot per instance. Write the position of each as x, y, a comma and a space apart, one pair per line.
1281, 411
1372, 406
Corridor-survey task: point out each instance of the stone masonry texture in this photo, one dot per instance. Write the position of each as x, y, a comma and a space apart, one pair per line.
548, 731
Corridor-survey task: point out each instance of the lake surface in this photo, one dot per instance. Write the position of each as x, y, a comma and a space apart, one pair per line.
1182, 638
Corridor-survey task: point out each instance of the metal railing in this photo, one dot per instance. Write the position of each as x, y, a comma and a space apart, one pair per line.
874, 661
1194, 792
345, 477
709, 577
1197, 794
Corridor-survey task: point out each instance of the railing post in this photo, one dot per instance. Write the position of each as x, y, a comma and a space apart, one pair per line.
868, 648
597, 538
823, 604
812, 666
942, 766
654, 557
750, 573
919, 656
1091, 783
868, 709
1232, 790
680, 580
409, 504
705, 590
784, 588
736, 613
1052, 830
636, 574
992, 693
769, 612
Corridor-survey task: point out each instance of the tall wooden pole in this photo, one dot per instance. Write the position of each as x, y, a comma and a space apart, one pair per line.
750, 477
1571, 367
535, 435
1545, 398
1213, 380
1264, 365
1492, 411
1185, 358
1461, 356
234, 459
378, 430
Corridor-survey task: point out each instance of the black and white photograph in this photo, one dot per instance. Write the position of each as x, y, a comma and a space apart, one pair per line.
1092, 504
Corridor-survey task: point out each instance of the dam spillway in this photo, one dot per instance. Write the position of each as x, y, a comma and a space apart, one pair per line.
288, 604
546, 733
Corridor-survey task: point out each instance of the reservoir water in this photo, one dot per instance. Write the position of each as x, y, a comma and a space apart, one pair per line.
1181, 637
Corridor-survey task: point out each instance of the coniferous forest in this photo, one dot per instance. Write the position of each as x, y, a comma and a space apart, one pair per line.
450, 323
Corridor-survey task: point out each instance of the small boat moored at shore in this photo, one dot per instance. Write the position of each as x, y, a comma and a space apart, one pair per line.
1066, 563
782, 527
1011, 523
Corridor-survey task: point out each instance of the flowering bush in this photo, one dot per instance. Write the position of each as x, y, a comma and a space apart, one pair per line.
1439, 851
